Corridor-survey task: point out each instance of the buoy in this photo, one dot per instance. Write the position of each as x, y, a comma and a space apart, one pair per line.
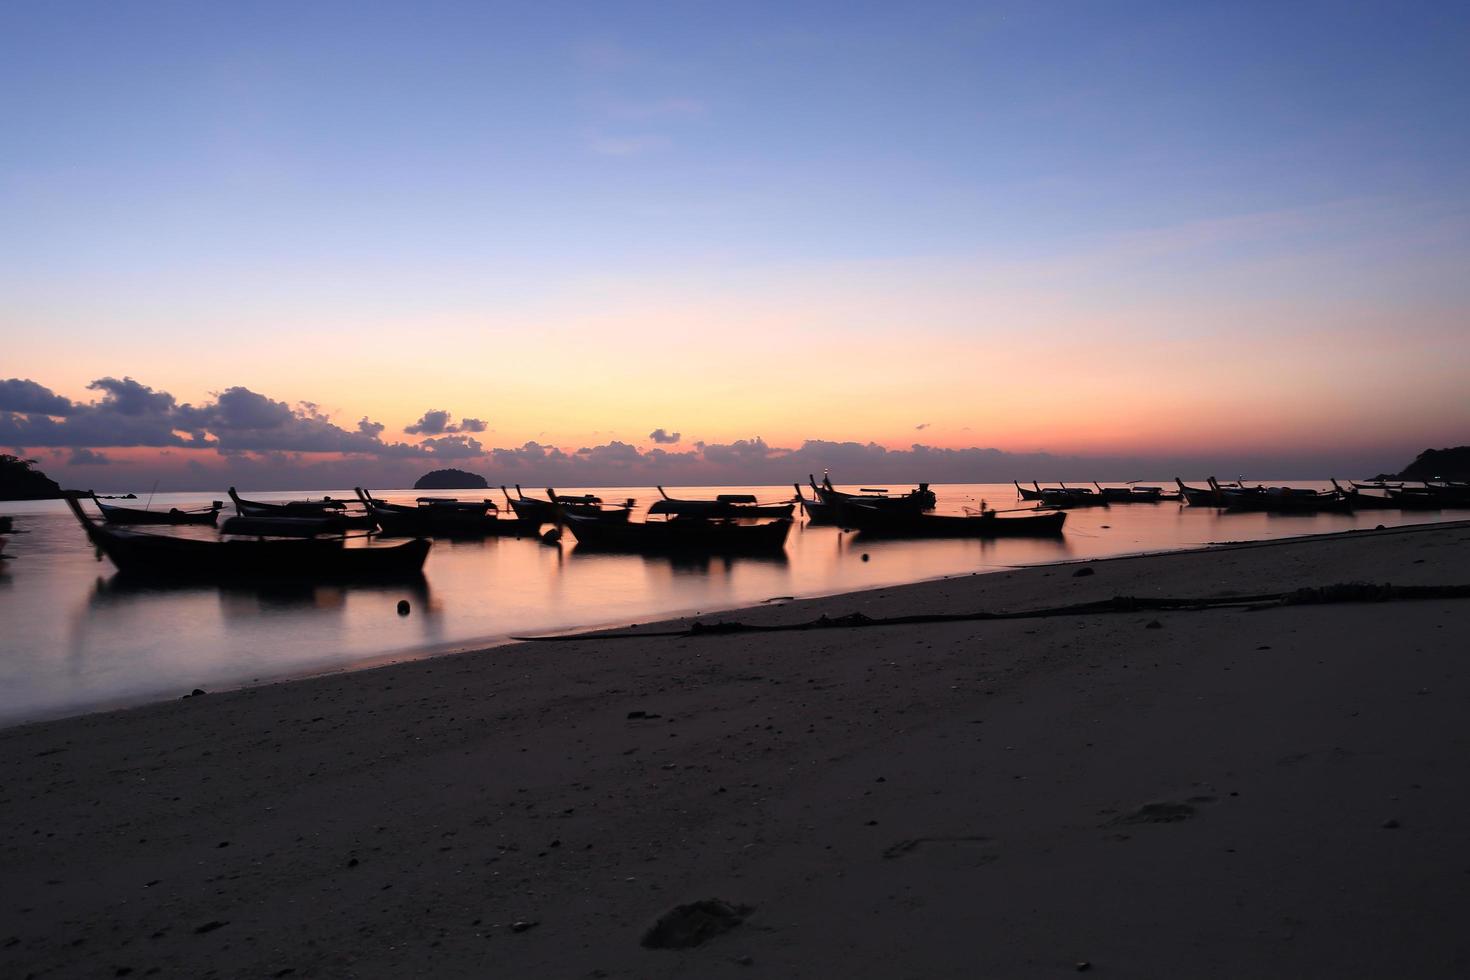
865, 556
552, 536
403, 607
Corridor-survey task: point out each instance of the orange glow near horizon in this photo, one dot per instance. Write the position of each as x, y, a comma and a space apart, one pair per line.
1066, 355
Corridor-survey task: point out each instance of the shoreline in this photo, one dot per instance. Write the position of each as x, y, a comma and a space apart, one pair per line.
1206, 793
414, 654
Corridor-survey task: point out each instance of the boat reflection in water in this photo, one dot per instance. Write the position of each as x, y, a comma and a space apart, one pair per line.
70, 641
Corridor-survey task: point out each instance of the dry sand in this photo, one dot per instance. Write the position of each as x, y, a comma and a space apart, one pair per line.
1232, 793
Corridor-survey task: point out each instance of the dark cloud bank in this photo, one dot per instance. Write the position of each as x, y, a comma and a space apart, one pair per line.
250, 439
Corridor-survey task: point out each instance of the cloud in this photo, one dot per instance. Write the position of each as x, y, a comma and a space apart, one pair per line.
431, 423
128, 397
436, 422
24, 395
453, 447
921, 426
82, 456
131, 414
256, 440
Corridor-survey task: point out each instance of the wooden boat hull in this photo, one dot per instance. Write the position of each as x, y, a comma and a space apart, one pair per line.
1198, 496
302, 508
988, 525
913, 502
132, 515
537, 512
681, 536
141, 554
433, 518
283, 527
427, 524
1288, 503
1072, 498
1027, 494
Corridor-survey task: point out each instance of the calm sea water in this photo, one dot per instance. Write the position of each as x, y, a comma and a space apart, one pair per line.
73, 637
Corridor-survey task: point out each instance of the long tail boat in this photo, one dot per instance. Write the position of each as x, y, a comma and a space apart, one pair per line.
591, 507
986, 524
687, 535
1358, 500
1064, 496
114, 514
912, 502
1032, 494
440, 517
724, 505
281, 526
1282, 500
1130, 495
1208, 496
302, 508
144, 554
816, 511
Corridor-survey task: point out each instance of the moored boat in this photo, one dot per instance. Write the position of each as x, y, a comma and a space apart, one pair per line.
741, 505
1131, 494
986, 524
591, 506
1033, 494
147, 554
914, 501
302, 508
281, 526
687, 535
816, 511
535, 511
1358, 499
440, 517
114, 514
1282, 500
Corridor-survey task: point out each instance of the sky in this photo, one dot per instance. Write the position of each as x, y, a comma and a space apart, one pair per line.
347, 242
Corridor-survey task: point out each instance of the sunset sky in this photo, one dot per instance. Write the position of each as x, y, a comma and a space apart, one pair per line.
1155, 234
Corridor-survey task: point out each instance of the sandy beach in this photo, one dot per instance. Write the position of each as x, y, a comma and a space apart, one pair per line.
1228, 792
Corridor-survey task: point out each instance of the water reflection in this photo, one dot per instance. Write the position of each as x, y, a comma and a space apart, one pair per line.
682, 563
76, 635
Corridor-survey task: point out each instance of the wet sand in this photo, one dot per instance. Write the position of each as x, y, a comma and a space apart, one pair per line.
1216, 793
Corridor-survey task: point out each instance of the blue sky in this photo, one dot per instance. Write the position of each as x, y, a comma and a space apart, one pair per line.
469, 173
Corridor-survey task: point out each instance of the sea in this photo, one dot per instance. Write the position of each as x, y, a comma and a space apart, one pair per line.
74, 637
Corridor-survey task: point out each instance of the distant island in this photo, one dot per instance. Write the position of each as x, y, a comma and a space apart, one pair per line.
450, 480
1439, 464
19, 482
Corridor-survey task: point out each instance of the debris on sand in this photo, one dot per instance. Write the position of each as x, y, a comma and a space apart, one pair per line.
697, 922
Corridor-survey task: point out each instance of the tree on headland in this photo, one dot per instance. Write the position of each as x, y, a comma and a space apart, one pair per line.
19, 482
1439, 464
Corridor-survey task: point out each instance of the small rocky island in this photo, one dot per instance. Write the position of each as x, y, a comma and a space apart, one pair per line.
450, 480
19, 482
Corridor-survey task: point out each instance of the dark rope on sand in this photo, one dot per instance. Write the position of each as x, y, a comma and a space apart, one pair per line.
1346, 592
